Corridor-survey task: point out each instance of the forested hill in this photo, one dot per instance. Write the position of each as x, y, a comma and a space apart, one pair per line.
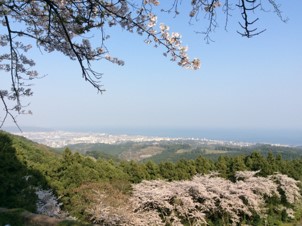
88, 186
159, 151
23, 164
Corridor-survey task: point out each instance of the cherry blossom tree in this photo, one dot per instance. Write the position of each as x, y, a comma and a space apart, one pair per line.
48, 203
198, 200
65, 26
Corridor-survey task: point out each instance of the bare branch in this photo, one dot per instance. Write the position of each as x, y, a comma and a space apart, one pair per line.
7, 112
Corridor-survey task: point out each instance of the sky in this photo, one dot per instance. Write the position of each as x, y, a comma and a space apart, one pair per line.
243, 84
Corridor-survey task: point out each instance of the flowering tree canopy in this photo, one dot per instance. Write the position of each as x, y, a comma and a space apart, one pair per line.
198, 201
64, 26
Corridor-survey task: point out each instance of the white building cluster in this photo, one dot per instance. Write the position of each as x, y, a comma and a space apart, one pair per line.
58, 139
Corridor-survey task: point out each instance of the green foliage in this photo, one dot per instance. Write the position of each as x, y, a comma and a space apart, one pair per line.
73, 176
17, 180
21, 217
221, 165
152, 170
185, 169
136, 171
76, 170
203, 165
107, 151
167, 171
12, 217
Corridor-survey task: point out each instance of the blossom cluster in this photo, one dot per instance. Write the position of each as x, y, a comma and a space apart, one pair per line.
69, 27
58, 24
192, 201
204, 196
48, 203
288, 186
154, 2
195, 201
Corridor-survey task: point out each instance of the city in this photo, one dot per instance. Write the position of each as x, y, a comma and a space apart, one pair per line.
57, 139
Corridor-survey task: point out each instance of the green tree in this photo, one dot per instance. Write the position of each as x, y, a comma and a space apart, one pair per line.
136, 172
109, 170
74, 170
17, 182
256, 161
185, 169
271, 163
152, 170
222, 166
203, 165
236, 164
167, 171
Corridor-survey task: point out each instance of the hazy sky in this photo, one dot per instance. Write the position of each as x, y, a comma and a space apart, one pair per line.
242, 84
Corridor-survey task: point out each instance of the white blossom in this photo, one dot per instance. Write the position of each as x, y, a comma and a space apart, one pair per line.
48, 203
154, 2
202, 196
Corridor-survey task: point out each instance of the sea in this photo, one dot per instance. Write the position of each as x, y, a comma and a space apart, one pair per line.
290, 137
268, 136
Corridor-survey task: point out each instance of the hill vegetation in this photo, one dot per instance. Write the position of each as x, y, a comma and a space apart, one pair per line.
179, 149
102, 190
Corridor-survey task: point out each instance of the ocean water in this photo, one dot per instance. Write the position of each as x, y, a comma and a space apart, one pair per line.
280, 136
277, 136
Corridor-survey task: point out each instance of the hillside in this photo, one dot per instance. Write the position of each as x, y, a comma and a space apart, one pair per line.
160, 151
108, 191
22, 167
26, 170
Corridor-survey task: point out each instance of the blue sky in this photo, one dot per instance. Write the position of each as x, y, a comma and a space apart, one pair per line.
242, 84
